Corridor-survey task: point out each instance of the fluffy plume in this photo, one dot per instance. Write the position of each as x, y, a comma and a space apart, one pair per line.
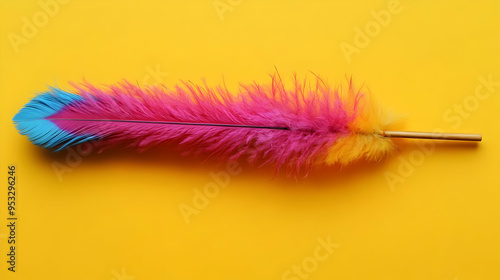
268, 124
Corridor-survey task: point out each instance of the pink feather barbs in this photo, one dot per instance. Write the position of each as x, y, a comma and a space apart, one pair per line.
266, 123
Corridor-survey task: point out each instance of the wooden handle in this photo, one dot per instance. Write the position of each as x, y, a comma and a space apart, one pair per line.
433, 135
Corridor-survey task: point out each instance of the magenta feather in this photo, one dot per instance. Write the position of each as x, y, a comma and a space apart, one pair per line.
305, 123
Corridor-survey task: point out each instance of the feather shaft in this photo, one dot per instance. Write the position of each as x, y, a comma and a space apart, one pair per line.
174, 123
433, 135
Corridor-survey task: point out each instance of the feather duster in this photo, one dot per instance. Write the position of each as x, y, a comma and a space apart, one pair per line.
269, 124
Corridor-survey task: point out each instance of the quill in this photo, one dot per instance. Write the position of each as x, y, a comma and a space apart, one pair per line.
296, 127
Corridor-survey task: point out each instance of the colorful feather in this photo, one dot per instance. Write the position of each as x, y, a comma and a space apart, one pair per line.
265, 123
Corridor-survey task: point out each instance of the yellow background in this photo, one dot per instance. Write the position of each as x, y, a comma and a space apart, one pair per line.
116, 215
